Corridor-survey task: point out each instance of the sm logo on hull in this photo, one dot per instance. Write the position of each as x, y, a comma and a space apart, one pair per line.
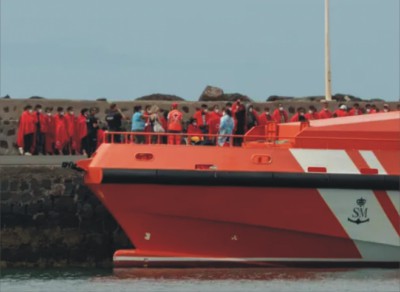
360, 213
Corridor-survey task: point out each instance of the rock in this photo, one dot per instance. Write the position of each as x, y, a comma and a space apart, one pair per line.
35, 183
317, 98
279, 98
37, 97
57, 189
211, 93
83, 192
39, 217
376, 100
69, 188
24, 186
11, 132
20, 209
36, 207
46, 184
94, 240
86, 211
6, 195
66, 220
339, 97
235, 96
100, 211
14, 185
64, 204
75, 254
4, 184
162, 97
6, 208
53, 215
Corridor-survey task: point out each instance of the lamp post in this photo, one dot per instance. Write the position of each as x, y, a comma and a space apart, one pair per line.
328, 85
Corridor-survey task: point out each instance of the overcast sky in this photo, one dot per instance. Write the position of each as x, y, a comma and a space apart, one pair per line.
123, 49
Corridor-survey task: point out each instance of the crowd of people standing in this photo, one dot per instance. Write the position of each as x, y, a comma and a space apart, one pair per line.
66, 134
60, 134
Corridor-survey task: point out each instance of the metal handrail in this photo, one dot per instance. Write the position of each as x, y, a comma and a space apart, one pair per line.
272, 141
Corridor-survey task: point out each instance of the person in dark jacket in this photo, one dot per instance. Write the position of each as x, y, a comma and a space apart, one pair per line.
92, 127
240, 115
114, 121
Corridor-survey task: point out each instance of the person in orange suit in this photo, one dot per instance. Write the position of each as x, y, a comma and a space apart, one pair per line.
70, 120
265, 117
174, 125
299, 116
235, 106
195, 134
280, 115
213, 122
371, 109
312, 113
61, 133
355, 110
341, 111
26, 131
325, 113
50, 134
81, 141
202, 117
374, 109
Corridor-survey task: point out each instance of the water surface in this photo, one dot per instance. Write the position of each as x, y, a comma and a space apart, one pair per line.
266, 279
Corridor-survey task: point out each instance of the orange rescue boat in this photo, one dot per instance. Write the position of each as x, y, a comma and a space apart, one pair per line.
325, 192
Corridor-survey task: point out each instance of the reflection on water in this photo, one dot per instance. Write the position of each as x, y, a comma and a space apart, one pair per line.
217, 274
259, 279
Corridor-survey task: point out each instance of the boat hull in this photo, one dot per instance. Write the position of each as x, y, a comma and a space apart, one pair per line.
205, 225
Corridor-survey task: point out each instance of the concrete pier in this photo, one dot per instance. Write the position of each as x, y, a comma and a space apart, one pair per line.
49, 218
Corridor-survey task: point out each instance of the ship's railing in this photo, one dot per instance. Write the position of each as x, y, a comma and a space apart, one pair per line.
187, 139
256, 136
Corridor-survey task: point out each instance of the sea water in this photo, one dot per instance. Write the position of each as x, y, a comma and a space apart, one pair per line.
266, 279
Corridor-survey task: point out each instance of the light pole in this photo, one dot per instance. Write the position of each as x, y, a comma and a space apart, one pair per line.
328, 85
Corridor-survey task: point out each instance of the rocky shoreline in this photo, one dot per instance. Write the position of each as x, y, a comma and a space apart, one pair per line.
49, 218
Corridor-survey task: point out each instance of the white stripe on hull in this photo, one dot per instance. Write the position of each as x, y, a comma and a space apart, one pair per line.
335, 161
395, 198
378, 252
368, 235
372, 161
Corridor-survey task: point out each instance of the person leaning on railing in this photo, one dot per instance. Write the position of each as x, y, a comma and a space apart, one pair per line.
138, 124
